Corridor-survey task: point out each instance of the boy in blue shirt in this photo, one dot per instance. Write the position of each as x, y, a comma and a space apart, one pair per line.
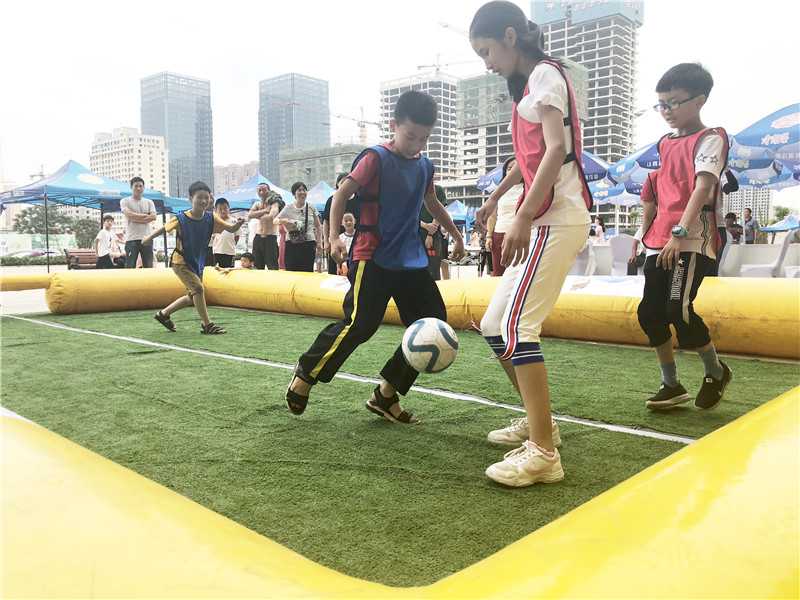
681, 235
387, 258
194, 229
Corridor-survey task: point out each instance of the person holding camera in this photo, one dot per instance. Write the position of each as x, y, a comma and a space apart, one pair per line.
300, 219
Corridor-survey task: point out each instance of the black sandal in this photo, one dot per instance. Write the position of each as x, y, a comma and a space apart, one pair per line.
165, 321
381, 406
295, 402
213, 329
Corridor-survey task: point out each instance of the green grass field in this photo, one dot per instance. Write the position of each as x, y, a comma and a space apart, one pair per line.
397, 505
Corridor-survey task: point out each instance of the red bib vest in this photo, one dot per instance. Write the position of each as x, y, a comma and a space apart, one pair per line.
671, 186
529, 146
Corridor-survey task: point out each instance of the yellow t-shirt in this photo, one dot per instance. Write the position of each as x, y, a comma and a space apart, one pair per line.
177, 257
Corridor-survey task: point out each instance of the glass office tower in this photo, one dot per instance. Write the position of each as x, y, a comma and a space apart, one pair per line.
178, 108
293, 113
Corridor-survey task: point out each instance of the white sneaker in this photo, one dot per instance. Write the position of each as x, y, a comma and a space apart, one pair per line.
525, 466
518, 432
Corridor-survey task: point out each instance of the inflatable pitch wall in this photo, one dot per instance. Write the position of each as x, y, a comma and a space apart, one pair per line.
749, 316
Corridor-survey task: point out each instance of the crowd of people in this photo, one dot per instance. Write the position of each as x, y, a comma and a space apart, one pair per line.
385, 225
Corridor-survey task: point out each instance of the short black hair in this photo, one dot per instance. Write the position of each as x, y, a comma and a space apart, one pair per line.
198, 186
108, 218
341, 176
297, 185
418, 107
263, 183
692, 77
249, 256
135, 179
731, 216
221, 201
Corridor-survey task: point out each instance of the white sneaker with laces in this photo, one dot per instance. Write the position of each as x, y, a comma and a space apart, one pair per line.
525, 466
518, 432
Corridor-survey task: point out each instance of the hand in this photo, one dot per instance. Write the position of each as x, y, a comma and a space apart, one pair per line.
146, 240
632, 258
458, 250
428, 242
338, 251
241, 219
516, 243
489, 244
483, 214
326, 247
669, 255
431, 228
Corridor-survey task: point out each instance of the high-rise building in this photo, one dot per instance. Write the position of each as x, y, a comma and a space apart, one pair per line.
126, 153
441, 148
601, 35
178, 108
317, 164
758, 200
293, 113
232, 176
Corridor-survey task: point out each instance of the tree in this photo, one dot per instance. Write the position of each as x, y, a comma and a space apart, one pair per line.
781, 212
31, 220
634, 216
85, 231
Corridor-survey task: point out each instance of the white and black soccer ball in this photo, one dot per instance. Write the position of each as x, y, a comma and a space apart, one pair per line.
430, 345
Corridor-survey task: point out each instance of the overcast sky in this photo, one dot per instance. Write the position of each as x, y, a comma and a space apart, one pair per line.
71, 69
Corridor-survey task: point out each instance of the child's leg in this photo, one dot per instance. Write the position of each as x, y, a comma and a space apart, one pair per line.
364, 306
199, 300
195, 295
182, 302
535, 391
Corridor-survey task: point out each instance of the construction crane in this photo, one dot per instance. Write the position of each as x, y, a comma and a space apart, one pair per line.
437, 66
362, 122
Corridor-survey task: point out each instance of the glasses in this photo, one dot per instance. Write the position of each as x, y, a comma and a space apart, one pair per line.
671, 106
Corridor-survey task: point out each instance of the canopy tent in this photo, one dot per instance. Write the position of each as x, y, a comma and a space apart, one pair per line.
242, 197
786, 224
75, 185
460, 214
319, 194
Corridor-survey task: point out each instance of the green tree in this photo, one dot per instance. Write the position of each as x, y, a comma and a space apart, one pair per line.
781, 212
634, 216
85, 231
31, 220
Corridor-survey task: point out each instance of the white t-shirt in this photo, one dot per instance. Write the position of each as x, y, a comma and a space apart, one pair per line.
507, 208
133, 230
298, 216
104, 240
225, 242
347, 239
548, 88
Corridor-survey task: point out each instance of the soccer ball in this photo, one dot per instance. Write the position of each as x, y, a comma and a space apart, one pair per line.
430, 345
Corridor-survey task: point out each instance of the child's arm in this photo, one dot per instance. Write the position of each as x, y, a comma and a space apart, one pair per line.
518, 237
704, 184
95, 247
153, 234
490, 206
236, 226
440, 214
348, 187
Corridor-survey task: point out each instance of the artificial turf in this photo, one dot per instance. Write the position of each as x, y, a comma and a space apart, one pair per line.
397, 505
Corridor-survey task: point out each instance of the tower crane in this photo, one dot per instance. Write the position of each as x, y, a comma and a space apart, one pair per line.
362, 122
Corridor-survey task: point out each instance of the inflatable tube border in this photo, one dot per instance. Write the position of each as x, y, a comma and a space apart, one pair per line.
718, 518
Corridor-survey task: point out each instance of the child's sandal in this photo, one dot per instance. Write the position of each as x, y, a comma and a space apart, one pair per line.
213, 329
295, 402
381, 405
165, 321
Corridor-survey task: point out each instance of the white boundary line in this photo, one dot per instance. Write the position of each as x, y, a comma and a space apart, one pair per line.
442, 393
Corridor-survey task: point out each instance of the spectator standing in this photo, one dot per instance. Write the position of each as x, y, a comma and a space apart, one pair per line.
301, 221
139, 212
751, 227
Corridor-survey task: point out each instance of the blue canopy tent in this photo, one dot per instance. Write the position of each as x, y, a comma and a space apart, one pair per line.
73, 184
319, 194
460, 214
242, 197
786, 224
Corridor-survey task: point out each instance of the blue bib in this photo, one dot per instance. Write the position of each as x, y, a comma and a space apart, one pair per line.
194, 236
402, 191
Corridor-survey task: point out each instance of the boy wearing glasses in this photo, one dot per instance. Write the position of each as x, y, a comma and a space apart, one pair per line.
680, 234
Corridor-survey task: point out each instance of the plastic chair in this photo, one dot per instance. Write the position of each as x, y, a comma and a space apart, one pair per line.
621, 246
585, 263
792, 272
725, 251
772, 269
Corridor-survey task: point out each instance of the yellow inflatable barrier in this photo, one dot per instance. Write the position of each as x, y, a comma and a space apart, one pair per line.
749, 316
717, 519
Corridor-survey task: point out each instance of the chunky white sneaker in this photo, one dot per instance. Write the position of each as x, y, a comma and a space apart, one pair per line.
518, 432
525, 466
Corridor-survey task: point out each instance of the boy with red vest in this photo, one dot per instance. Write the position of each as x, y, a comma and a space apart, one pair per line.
680, 233
386, 260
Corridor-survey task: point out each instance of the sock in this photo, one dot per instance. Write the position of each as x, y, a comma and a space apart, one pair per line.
711, 362
669, 373
496, 343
